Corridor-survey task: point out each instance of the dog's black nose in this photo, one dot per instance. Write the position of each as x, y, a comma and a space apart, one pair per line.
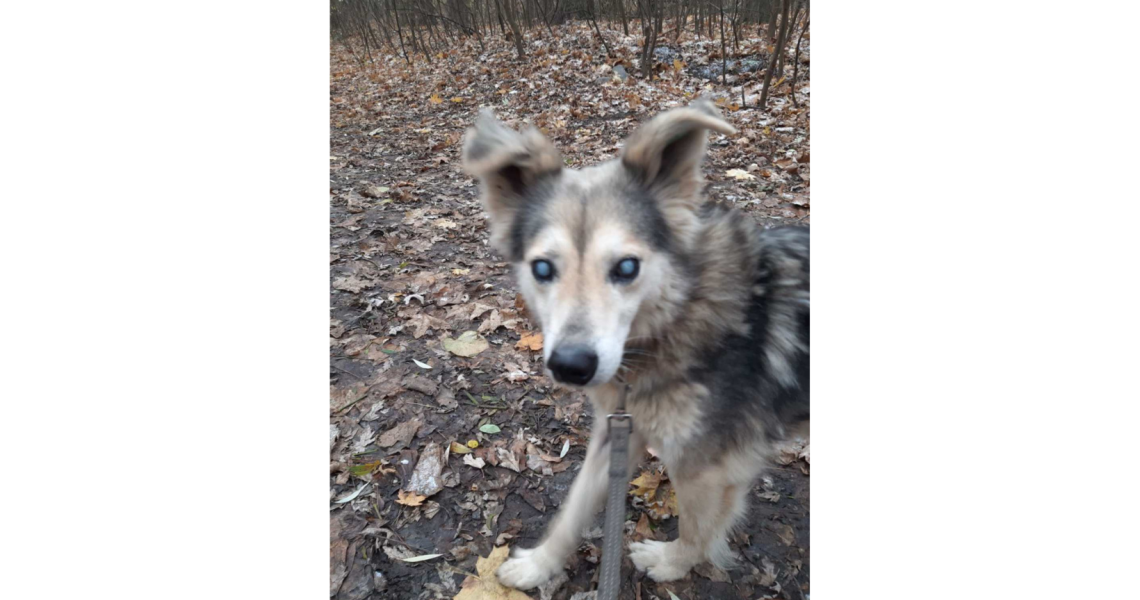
573, 364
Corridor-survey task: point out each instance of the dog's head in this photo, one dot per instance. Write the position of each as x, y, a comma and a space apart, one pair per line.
598, 253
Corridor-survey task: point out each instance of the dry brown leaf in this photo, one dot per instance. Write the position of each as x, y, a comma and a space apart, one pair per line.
508, 459
642, 530
468, 344
427, 479
532, 341
404, 432
786, 534
409, 498
486, 586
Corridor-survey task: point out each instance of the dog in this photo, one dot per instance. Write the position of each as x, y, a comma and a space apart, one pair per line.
636, 280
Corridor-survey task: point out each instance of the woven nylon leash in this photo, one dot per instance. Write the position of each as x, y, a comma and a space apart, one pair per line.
620, 425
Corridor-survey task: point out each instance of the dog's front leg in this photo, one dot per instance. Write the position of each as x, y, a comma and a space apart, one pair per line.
530, 568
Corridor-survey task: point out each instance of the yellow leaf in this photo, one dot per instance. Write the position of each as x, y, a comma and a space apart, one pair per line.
486, 586
767, 131
646, 484
677, 64
435, 99
457, 99
457, 448
472, 444
409, 498
734, 107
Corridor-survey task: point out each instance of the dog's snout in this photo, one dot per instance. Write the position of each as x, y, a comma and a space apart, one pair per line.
573, 364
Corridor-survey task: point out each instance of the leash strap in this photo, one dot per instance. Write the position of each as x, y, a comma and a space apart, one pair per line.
620, 425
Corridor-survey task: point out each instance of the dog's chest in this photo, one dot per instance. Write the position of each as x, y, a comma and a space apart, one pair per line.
665, 417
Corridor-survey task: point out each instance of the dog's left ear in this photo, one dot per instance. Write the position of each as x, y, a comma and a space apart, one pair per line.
665, 154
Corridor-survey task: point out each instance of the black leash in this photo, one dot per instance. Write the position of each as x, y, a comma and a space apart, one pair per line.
620, 426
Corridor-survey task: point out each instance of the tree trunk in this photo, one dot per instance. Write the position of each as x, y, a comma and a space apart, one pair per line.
796, 69
772, 61
513, 23
773, 12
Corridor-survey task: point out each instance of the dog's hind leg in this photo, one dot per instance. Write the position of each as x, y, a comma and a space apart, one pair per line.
709, 505
528, 568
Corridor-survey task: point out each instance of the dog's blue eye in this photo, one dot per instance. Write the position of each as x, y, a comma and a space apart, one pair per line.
626, 270
543, 270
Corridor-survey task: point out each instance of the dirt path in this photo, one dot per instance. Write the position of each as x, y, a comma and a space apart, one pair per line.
410, 269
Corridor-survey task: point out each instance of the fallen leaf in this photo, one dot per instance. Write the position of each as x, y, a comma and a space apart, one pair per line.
446, 398
492, 322
421, 558
532, 341
490, 428
486, 586
422, 385
421, 365
739, 174
457, 448
507, 459
353, 283
646, 484
769, 576
642, 529
353, 495
435, 99
425, 479
403, 433
364, 469
472, 444
786, 534
471, 460
409, 498
468, 344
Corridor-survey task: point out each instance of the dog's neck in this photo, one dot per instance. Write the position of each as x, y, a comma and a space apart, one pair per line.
724, 259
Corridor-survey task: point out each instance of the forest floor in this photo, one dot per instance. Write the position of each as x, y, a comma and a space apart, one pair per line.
411, 273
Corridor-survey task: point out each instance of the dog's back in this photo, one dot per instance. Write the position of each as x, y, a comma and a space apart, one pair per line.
763, 376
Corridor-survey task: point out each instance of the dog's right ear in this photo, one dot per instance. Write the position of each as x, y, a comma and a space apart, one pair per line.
508, 164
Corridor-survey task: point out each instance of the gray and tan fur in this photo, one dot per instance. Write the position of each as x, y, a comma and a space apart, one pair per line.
710, 332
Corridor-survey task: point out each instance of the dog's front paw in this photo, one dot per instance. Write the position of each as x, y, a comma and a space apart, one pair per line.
528, 568
657, 560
